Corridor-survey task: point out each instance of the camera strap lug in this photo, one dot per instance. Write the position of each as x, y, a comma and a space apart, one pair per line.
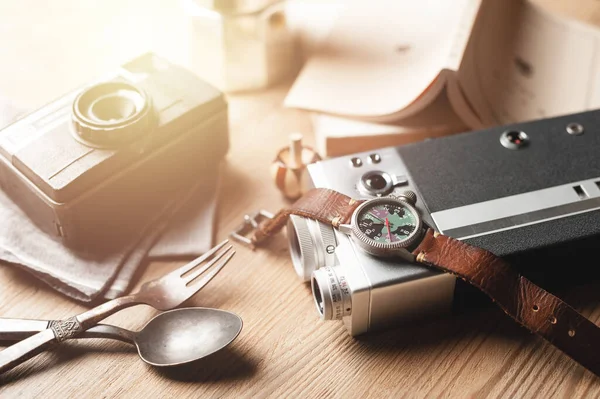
249, 226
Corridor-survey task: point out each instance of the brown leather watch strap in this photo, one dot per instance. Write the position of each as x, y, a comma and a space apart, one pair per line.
531, 306
322, 204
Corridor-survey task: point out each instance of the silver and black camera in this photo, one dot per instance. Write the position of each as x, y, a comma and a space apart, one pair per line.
96, 163
528, 192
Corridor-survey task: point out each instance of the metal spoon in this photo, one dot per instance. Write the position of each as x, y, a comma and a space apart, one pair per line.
171, 338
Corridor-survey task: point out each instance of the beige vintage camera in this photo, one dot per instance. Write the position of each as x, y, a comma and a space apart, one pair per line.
95, 164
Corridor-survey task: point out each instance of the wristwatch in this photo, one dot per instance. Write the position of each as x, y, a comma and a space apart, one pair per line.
392, 226
386, 226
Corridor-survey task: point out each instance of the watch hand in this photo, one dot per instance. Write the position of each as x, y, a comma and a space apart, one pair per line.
387, 224
375, 217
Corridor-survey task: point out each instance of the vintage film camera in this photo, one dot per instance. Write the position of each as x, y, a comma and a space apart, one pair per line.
529, 192
95, 164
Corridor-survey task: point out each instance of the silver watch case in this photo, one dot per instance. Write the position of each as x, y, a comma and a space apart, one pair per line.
375, 248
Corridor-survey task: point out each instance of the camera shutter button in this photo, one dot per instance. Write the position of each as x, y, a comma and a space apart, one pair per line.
356, 162
374, 158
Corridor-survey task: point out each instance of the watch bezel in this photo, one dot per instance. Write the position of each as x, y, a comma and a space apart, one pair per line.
385, 249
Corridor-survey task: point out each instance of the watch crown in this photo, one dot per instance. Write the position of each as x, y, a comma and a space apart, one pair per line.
409, 196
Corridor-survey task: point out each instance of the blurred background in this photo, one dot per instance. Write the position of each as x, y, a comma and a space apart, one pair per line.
48, 48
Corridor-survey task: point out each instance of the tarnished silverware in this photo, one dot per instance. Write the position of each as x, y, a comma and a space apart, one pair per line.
171, 338
164, 293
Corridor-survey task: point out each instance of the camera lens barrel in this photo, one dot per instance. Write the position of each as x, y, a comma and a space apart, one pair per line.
110, 114
331, 293
312, 245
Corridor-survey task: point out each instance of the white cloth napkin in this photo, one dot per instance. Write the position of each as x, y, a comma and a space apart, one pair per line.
183, 228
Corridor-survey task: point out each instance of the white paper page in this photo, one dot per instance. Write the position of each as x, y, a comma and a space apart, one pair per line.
437, 120
525, 63
380, 58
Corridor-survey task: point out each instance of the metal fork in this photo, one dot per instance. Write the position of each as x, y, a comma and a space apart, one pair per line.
164, 293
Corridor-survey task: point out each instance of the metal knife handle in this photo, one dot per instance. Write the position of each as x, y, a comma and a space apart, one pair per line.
26, 349
18, 329
61, 330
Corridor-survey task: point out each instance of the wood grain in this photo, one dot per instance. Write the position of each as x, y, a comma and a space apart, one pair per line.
283, 350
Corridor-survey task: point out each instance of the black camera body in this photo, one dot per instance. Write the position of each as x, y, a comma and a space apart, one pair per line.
509, 189
95, 164
542, 193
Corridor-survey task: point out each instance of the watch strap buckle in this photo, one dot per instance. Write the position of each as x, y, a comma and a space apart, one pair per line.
243, 233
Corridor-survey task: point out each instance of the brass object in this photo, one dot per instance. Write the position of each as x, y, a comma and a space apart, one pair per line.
289, 168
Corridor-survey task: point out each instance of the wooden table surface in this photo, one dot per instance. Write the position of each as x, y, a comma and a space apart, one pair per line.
284, 350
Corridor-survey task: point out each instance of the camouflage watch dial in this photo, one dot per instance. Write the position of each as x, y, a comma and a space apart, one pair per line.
387, 222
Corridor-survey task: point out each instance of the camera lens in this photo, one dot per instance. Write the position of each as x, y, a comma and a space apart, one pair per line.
331, 293
317, 296
112, 108
111, 113
312, 245
376, 182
